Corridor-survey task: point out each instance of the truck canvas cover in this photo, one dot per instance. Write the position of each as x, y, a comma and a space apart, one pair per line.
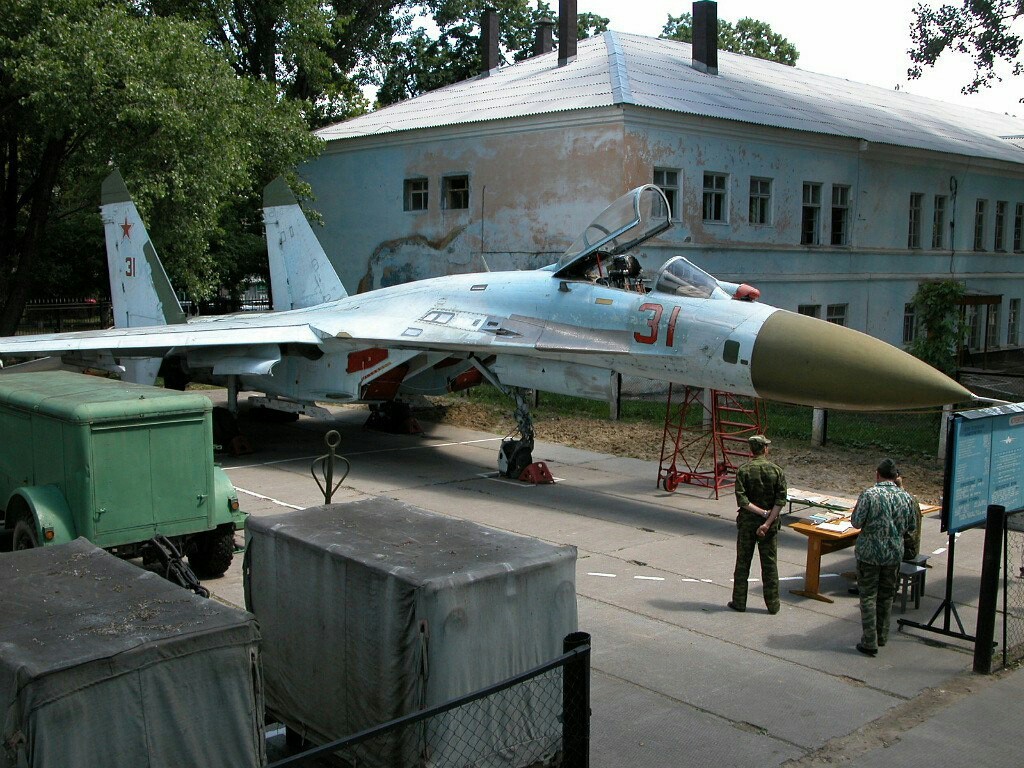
375, 609
105, 664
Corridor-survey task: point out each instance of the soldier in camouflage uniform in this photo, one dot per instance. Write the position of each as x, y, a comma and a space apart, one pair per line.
887, 517
760, 495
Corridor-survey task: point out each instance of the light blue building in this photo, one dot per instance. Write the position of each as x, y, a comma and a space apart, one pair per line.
832, 197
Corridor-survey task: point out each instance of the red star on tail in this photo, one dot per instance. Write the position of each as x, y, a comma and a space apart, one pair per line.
126, 229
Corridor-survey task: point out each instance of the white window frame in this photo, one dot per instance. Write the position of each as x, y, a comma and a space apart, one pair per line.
411, 194
812, 206
667, 180
449, 191
1013, 323
842, 207
715, 200
999, 238
760, 208
837, 314
909, 324
914, 220
939, 223
980, 214
810, 310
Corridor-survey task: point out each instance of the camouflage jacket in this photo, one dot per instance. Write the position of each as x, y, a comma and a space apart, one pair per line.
762, 483
884, 514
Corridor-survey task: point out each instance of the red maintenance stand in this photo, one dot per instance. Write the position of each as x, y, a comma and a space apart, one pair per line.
700, 432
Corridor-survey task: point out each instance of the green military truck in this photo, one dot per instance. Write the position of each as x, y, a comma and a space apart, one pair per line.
115, 462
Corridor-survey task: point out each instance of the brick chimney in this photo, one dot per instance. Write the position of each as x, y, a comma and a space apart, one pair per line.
705, 36
489, 39
544, 40
567, 32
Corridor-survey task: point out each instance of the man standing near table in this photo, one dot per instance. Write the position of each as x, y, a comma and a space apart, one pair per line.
885, 515
760, 496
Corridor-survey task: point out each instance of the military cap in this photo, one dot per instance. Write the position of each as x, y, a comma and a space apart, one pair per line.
758, 441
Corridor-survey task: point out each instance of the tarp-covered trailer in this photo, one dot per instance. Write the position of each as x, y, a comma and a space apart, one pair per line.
375, 609
105, 665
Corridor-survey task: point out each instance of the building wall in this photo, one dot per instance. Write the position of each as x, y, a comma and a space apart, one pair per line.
532, 188
536, 182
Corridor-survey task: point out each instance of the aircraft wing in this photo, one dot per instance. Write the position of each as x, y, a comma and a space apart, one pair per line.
156, 340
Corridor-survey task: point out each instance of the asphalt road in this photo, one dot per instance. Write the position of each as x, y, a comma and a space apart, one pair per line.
677, 678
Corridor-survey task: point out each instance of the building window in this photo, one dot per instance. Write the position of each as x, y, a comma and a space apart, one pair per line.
973, 327
416, 194
992, 326
1000, 239
1018, 226
715, 196
810, 222
667, 180
840, 215
836, 313
914, 233
939, 223
760, 201
811, 310
455, 190
980, 209
909, 324
1013, 324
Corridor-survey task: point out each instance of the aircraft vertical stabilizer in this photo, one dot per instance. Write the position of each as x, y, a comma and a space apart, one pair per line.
301, 275
140, 292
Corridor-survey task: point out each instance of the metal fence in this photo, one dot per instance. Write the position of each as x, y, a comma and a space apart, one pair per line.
1013, 588
60, 315
538, 718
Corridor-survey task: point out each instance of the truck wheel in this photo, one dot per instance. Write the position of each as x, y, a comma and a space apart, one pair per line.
24, 535
213, 553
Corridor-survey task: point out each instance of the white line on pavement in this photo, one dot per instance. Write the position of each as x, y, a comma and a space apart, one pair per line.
267, 498
649, 578
605, 575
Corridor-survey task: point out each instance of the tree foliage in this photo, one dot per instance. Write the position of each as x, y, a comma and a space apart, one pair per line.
418, 61
937, 311
747, 36
980, 29
88, 84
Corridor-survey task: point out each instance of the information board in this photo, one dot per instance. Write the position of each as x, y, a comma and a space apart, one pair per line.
985, 465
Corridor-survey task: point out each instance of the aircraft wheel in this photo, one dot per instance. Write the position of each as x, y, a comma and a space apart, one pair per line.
671, 482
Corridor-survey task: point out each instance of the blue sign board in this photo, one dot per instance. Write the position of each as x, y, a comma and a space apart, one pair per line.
985, 465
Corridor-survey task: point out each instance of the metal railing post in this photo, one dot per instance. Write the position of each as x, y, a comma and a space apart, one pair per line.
576, 702
988, 592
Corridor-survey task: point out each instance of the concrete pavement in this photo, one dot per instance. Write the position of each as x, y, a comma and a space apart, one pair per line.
678, 678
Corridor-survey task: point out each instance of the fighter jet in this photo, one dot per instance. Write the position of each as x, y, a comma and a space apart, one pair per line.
565, 328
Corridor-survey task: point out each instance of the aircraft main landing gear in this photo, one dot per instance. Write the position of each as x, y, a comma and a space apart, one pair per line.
516, 454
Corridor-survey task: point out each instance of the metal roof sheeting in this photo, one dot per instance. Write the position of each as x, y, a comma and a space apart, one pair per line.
617, 68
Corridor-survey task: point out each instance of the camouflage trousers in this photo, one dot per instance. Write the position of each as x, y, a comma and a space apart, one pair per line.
877, 585
747, 524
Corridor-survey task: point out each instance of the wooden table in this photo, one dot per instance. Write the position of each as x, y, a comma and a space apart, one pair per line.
820, 542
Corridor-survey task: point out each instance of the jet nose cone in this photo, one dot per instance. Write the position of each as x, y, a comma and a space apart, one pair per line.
804, 360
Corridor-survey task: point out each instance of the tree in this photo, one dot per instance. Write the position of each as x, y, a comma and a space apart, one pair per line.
316, 52
88, 84
417, 62
937, 311
749, 37
979, 28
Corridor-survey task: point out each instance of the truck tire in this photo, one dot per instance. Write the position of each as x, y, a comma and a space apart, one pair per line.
212, 553
24, 535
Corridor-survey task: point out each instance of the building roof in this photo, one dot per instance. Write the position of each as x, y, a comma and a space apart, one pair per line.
617, 68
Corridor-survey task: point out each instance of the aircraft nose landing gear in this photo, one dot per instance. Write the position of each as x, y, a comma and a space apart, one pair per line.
516, 454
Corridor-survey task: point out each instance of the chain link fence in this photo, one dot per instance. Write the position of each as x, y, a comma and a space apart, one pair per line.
534, 720
1013, 589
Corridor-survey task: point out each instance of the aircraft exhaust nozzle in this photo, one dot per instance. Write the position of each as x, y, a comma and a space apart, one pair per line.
803, 360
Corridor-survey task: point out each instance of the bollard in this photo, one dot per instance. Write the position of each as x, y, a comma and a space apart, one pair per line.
576, 702
988, 592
